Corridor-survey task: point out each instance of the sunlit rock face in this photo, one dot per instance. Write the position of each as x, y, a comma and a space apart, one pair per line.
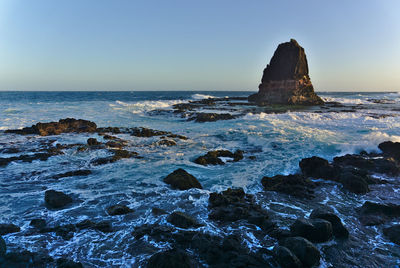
285, 79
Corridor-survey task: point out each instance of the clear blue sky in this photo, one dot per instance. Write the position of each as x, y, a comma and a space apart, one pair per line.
194, 45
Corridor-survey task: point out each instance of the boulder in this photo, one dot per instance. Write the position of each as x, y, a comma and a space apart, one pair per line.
55, 128
326, 213
56, 200
81, 172
317, 167
393, 233
8, 228
316, 230
286, 258
368, 164
3, 247
173, 258
286, 80
353, 182
295, 185
182, 180
182, 220
307, 253
93, 142
118, 210
211, 117
166, 142
213, 157
390, 148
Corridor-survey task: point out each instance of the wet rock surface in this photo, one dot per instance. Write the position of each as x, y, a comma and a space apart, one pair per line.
118, 210
371, 213
182, 180
304, 250
393, 233
8, 228
56, 200
214, 157
182, 220
170, 259
295, 185
326, 213
316, 230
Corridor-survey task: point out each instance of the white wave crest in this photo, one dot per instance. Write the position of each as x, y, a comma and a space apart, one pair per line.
201, 96
346, 100
144, 106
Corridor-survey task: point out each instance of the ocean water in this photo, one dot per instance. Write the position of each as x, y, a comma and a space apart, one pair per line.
278, 141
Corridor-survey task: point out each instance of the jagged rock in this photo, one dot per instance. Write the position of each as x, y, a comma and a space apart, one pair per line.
181, 220
211, 117
55, 128
295, 185
234, 205
286, 80
166, 142
8, 228
43, 156
326, 213
118, 210
353, 182
369, 164
393, 233
374, 214
213, 157
3, 247
317, 167
182, 180
173, 258
307, 253
118, 155
81, 172
286, 258
317, 230
56, 200
38, 223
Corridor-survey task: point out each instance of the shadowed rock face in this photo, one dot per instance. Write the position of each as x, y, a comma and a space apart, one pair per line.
286, 80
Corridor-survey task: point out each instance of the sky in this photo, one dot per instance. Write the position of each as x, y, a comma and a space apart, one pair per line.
195, 45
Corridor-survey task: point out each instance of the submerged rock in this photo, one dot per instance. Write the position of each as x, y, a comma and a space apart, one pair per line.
56, 200
26, 259
118, 210
173, 258
307, 253
286, 258
295, 185
182, 220
8, 228
326, 213
55, 128
65, 263
182, 180
81, 172
393, 233
166, 142
93, 142
213, 157
38, 223
286, 80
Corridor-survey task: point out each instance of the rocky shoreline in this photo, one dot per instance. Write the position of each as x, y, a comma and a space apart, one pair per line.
292, 245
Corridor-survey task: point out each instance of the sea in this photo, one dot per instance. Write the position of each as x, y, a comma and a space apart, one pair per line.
276, 142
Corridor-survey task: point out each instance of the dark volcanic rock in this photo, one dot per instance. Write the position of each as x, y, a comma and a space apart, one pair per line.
390, 148
373, 213
317, 167
286, 258
307, 253
211, 117
393, 233
326, 213
38, 223
8, 229
81, 172
118, 155
3, 247
26, 259
234, 204
43, 156
369, 164
353, 182
118, 210
213, 157
173, 258
56, 200
55, 128
317, 230
182, 180
295, 185
181, 220
166, 142
286, 80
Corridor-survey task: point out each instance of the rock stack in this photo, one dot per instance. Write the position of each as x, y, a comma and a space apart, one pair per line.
286, 80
